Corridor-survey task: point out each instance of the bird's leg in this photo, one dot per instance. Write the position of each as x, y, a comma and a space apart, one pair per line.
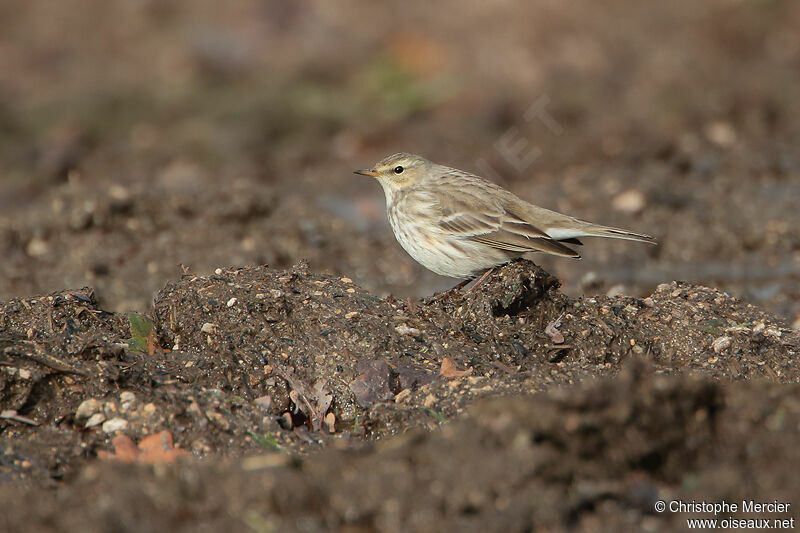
438, 296
480, 280
460, 285
463, 284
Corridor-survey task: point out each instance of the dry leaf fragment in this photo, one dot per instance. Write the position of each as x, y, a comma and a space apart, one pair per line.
125, 450
552, 331
372, 385
322, 400
158, 448
448, 370
153, 449
313, 402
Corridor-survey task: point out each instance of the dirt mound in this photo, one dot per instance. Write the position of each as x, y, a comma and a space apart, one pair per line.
295, 361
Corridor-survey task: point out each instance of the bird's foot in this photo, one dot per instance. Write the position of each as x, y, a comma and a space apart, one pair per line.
441, 295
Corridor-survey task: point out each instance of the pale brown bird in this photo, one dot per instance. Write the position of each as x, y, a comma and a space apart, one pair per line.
459, 225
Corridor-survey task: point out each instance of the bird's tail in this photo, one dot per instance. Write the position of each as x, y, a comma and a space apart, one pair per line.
573, 229
594, 230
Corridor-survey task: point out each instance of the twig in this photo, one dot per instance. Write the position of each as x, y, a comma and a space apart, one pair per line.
46, 360
11, 414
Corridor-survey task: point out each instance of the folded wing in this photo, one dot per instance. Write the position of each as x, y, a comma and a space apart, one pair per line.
482, 218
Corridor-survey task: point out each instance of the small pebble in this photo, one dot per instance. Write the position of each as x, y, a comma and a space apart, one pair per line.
721, 133
630, 201
285, 421
330, 421
721, 344
194, 409
218, 272
95, 420
88, 407
200, 447
110, 409
37, 247
218, 419
402, 395
590, 278
405, 330
209, 328
115, 424
616, 290
264, 402
232, 302
127, 399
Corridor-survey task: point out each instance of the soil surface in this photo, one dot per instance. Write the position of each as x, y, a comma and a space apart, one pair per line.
155, 375
280, 383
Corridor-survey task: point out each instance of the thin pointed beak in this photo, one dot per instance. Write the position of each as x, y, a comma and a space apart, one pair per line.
367, 172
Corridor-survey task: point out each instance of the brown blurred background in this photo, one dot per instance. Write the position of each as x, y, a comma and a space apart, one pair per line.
137, 136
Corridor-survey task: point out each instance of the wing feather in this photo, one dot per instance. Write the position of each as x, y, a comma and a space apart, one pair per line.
477, 212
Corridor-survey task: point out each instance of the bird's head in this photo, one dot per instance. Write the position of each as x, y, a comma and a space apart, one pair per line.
398, 171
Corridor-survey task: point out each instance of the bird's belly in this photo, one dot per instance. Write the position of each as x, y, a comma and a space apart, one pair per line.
446, 256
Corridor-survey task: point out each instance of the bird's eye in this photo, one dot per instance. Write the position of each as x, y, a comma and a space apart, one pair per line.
398, 170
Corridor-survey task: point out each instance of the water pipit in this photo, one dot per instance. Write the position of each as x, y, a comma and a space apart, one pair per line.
459, 225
